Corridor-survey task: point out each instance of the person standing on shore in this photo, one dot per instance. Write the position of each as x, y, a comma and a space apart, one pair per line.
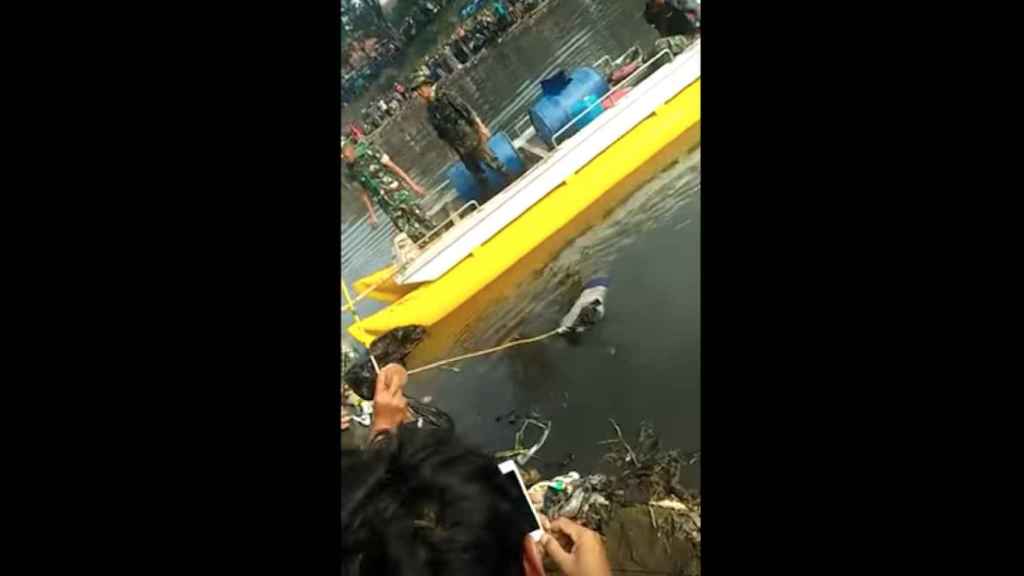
375, 173
460, 127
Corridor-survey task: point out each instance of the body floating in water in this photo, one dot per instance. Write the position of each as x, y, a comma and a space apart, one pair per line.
588, 309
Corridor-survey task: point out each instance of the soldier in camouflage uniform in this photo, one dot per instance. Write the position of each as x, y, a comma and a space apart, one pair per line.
673, 17
674, 44
460, 127
376, 173
677, 22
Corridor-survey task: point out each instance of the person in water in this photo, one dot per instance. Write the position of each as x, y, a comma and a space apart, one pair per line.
460, 127
375, 172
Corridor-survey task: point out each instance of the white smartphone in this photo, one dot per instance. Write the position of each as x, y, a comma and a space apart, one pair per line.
510, 473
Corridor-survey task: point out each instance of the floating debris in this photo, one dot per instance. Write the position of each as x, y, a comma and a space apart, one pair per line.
391, 348
567, 461
643, 498
530, 476
508, 414
520, 452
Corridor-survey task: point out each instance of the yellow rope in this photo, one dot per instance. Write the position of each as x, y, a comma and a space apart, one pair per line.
348, 298
488, 351
350, 305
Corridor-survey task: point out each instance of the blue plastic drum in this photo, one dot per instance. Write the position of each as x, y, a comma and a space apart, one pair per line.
564, 99
467, 187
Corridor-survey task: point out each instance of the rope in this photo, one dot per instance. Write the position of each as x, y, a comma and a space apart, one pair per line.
348, 298
350, 303
398, 270
488, 351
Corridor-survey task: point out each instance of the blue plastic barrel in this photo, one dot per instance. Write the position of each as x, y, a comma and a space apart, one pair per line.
467, 187
562, 101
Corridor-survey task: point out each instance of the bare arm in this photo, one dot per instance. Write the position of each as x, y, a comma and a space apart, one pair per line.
482, 130
397, 170
369, 207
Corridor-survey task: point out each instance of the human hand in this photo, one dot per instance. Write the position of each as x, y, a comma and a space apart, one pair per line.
346, 418
587, 556
418, 190
389, 404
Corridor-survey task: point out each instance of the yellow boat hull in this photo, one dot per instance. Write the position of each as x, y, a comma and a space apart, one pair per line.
447, 305
382, 286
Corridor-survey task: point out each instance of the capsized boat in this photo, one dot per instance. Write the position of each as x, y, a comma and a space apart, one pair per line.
573, 187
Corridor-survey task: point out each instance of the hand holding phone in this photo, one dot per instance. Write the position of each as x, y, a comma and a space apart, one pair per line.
586, 556
524, 508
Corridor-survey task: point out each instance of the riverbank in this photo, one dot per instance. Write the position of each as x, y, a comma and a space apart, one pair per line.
433, 38
409, 123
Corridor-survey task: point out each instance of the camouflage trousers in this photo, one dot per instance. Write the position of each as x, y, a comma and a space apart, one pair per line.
478, 160
674, 44
405, 213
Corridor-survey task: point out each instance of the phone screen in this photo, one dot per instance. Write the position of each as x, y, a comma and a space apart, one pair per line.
523, 507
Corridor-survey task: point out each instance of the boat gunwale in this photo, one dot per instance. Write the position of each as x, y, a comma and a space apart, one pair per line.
492, 208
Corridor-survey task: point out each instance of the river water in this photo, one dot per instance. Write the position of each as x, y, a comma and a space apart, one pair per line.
643, 361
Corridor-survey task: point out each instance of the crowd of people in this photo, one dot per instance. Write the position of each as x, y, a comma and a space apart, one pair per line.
365, 59
489, 20
423, 11
366, 54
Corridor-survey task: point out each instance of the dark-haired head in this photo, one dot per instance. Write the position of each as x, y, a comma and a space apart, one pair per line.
427, 504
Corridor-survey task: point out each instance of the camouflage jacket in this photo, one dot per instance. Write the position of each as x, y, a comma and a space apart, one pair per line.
453, 120
368, 169
673, 18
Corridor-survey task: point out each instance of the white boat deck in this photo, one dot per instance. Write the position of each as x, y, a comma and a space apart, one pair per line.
568, 158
